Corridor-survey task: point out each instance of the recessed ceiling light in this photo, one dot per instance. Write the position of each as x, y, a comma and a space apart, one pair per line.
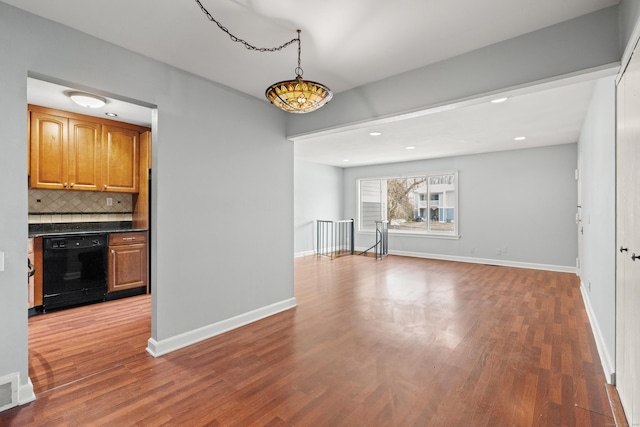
410, 148
520, 138
87, 100
498, 100
345, 160
111, 114
375, 133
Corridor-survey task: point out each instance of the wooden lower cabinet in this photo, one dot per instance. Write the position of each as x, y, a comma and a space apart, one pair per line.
34, 295
127, 261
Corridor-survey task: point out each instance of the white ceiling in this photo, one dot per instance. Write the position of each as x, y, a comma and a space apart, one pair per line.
543, 116
54, 95
344, 44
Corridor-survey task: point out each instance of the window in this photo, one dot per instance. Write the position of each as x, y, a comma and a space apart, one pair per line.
426, 204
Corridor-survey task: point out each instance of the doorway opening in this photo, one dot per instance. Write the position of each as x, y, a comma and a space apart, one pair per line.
108, 208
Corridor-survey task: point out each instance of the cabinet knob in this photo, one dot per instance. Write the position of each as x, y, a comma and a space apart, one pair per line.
64, 185
634, 257
622, 249
105, 186
71, 185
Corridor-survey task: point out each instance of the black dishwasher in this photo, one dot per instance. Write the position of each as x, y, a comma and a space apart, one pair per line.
74, 270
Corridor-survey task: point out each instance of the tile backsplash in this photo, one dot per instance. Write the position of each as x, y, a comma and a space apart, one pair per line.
51, 206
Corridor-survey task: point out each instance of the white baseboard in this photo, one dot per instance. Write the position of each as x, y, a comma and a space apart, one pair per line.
503, 263
303, 254
162, 347
608, 364
26, 393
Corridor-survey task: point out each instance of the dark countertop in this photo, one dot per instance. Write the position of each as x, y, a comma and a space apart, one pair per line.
60, 229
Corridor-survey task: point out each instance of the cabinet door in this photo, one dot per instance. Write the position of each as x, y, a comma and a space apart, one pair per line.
127, 267
49, 145
120, 159
84, 155
32, 260
35, 281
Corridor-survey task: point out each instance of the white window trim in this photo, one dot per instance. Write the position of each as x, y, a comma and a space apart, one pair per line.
409, 233
422, 235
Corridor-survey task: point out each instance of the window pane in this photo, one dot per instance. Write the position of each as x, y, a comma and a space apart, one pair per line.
442, 203
419, 204
406, 203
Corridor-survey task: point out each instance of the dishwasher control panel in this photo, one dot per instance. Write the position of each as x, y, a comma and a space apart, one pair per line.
75, 242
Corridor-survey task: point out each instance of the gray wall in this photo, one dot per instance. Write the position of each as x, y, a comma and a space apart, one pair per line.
522, 200
588, 41
629, 13
212, 176
317, 195
598, 177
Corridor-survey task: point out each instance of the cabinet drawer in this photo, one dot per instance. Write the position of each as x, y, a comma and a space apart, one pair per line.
127, 238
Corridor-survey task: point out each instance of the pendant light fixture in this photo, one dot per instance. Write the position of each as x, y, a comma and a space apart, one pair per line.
294, 96
298, 95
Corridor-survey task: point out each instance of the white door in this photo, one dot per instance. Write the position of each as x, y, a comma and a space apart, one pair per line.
628, 241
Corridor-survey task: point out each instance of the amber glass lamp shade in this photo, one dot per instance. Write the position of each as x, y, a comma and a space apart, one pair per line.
298, 95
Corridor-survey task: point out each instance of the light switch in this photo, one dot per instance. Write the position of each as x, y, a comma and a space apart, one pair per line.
1, 260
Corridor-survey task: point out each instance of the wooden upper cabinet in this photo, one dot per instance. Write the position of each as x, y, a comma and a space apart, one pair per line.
84, 155
70, 151
140, 214
49, 151
65, 153
120, 159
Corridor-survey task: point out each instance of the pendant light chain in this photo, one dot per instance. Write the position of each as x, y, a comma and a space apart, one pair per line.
293, 96
298, 70
247, 45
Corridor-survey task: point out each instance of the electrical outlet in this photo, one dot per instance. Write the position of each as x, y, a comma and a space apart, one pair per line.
1, 260
109, 201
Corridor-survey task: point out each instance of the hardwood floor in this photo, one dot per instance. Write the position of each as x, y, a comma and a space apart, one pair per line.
397, 342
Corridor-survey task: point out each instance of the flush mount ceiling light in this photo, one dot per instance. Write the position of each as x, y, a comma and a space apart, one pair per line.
498, 100
294, 96
87, 100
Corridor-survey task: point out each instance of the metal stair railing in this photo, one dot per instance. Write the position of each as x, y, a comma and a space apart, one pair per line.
334, 238
381, 246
